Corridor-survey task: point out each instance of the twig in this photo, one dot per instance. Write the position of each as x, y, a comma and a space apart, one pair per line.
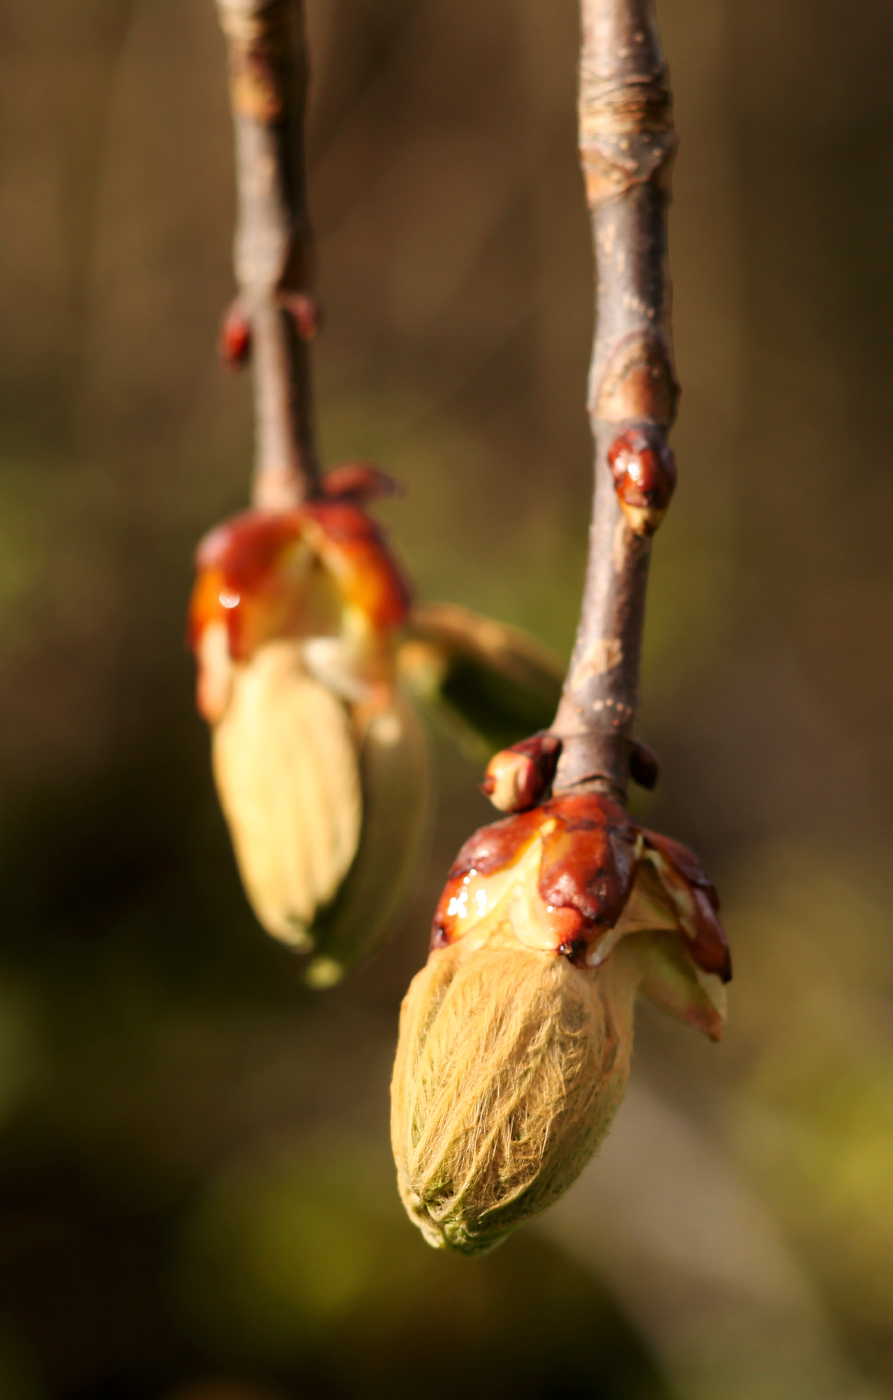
273, 255
626, 146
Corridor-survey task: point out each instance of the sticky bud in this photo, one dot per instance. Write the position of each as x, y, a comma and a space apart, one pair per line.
515, 1038
235, 337
644, 472
520, 777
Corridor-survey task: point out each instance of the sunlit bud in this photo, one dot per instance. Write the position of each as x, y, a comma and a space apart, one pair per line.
287, 771
520, 777
293, 622
515, 1038
644, 471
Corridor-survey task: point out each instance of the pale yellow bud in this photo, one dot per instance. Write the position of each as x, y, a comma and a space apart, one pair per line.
515, 1038
287, 771
510, 1065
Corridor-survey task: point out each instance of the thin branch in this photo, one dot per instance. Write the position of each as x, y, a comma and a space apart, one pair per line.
626, 147
274, 253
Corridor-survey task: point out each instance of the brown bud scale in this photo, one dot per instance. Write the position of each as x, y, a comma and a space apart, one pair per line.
644, 472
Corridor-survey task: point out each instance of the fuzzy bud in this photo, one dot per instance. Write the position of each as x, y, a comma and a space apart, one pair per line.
510, 1065
516, 1037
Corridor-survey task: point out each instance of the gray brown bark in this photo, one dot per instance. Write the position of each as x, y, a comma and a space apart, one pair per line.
627, 144
274, 251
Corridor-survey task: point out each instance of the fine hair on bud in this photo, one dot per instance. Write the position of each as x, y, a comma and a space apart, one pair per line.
288, 778
510, 1065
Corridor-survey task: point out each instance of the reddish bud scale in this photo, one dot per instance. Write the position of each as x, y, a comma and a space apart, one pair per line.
359, 482
590, 852
236, 563
709, 946
242, 561
353, 547
585, 873
235, 337
521, 776
644, 472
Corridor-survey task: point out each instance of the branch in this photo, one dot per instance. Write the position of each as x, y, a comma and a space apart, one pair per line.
273, 256
626, 147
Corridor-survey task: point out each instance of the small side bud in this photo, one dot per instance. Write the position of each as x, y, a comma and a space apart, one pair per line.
644, 472
644, 768
235, 337
359, 483
520, 777
306, 313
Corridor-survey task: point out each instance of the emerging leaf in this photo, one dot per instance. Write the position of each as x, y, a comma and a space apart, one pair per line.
489, 684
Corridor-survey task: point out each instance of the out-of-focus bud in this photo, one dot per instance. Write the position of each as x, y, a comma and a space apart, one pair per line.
359, 482
520, 777
235, 336
487, 683
644, 471
293, 621
515, 1038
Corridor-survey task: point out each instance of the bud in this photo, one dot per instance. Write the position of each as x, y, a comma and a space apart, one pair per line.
235, 336
644, 472
288, 777
519, 777
515, 1039
293, 621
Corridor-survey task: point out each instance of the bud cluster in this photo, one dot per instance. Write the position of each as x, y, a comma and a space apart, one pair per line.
515, 1039
293, 621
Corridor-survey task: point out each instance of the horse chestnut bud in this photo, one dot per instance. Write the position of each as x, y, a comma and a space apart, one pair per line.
644, 472
520, 777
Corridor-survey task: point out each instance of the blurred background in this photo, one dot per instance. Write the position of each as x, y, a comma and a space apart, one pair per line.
196, 1192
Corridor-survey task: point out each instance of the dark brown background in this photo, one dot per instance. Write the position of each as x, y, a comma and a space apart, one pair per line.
196, 1191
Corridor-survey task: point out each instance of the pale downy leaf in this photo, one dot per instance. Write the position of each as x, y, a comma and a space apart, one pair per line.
287, 773
489, 684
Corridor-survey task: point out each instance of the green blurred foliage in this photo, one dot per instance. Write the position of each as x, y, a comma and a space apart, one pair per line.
194, 1184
